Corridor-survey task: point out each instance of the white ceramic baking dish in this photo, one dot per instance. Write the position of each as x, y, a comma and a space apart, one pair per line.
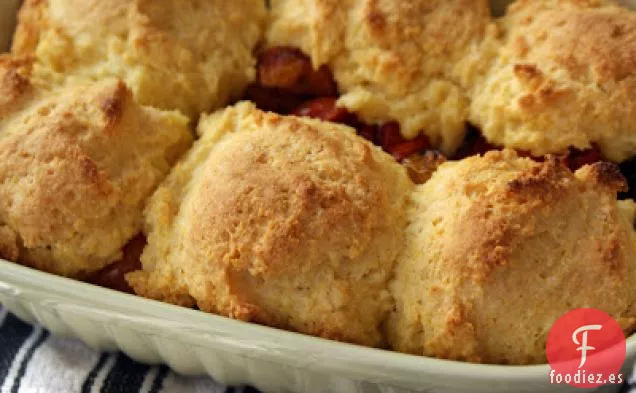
233, 352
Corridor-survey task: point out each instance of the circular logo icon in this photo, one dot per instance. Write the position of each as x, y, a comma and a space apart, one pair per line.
585, 349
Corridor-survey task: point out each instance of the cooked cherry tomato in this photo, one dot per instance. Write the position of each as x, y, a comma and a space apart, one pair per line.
112, 276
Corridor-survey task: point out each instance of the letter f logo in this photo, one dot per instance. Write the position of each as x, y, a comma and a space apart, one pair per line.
583, 344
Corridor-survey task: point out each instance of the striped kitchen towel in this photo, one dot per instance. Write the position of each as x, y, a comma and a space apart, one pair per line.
33, 361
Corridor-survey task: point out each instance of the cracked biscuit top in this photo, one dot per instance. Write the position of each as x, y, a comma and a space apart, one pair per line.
280, 220
565, 76
76, 167
190, 55
499, 247
404, 60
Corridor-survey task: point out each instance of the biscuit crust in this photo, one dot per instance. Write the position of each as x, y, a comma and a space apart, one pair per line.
76, 168
565, 76
284, 221
408, 61
498, 247
15, 84
192, 55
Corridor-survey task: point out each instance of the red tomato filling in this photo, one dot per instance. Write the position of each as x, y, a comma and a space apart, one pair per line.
112, 276
288, 84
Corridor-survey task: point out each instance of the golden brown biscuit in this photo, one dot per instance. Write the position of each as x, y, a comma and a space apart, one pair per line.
76, 168
393, 60
285, 221
498, 247
565, 76
191, 55
15, 86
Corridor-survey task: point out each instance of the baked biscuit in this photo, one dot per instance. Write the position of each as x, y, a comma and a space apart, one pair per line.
285, 221
404, 60
498, 247
15, 86
565, 77
76, 168
192, 55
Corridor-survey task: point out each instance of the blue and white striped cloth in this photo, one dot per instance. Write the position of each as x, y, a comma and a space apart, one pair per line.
33, 361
